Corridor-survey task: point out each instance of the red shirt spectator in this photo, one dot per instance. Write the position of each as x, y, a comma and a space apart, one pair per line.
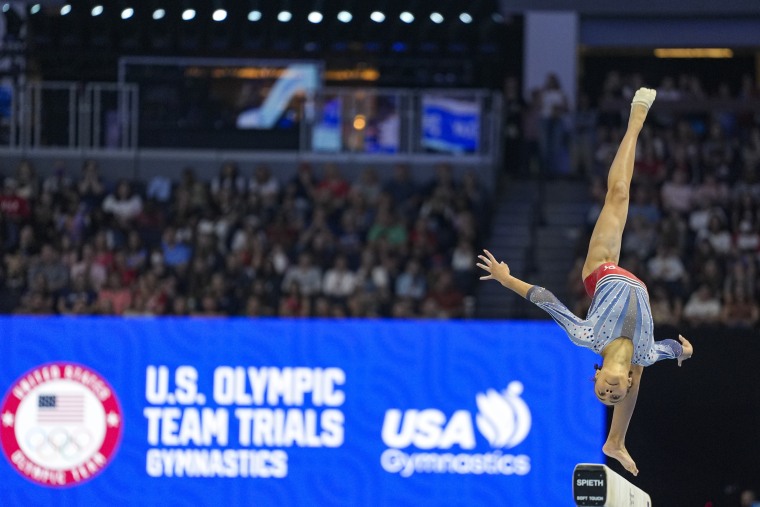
13, 205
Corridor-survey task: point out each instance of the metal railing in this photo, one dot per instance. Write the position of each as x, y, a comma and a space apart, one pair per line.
71, 116
338, 123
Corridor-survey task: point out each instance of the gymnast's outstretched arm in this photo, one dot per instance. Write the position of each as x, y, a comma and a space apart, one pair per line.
499, 271
614, 447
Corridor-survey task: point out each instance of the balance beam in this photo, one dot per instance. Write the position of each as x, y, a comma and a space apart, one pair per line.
598, 486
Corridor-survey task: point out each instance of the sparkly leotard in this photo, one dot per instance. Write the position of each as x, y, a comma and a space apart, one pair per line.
619, 308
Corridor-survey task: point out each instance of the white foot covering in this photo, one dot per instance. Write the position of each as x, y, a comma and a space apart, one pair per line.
645, 97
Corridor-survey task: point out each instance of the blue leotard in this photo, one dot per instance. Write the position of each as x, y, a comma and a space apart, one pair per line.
620, 308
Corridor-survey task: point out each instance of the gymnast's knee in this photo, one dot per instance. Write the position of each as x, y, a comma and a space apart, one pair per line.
618, 192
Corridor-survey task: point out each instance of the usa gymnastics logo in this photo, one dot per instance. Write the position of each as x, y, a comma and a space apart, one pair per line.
503, 419
61, 424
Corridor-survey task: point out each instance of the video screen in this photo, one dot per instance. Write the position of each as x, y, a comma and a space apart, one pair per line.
206, 104
450, 124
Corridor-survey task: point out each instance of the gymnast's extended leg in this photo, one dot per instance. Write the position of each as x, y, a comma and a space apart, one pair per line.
614, 447
607, 237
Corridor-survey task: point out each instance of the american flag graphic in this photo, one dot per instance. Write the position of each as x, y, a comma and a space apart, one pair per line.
60, 408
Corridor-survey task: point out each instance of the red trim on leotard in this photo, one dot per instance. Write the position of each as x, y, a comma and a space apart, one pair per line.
608, 268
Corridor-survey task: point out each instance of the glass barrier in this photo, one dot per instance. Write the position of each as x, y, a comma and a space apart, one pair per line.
333, 122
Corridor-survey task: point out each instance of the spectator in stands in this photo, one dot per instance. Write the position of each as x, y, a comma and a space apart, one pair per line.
49, 266
264, 186
411, 284
339, 282
305, 275
58, 183
709, 273
175, 252
15, 211
368, 186
159, 190
702, 308
388, 228
739, 309
94, 272
442, 182
640, 237
191, 190
293, 302
303, 186
13, 281
28, 185
649, 168
677, 193
403, 190
462, 266
666, 310
229, 180
333, 189
667, 268
37, 299
643, 205
449, 300
554, 106
114, 298
667, 91
78, 298
717, 235
124, 204
90, 185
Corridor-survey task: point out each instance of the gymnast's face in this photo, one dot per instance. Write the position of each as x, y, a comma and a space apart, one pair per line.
611, 388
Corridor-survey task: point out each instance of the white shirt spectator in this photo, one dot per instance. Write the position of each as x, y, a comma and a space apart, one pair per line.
307, 276
339, 282
667, 267
702, 307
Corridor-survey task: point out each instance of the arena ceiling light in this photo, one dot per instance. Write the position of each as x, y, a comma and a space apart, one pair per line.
219, 15
254, 16
65, 9
127, 13
345, 17
6, 7
188, 14
497, 18
465, 18
284, 16
35, 9
315, 17
96, 11
377, 16
436, 17
406, 17
159, 14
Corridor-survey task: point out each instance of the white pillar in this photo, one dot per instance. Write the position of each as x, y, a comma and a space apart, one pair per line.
551, 45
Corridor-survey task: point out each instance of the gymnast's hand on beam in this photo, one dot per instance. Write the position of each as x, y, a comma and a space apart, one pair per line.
688, 350
498, 271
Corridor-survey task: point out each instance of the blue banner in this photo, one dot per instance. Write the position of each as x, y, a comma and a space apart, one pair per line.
100, 411
450, 125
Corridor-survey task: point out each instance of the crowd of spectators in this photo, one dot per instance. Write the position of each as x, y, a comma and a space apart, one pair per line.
245, 243
693, 230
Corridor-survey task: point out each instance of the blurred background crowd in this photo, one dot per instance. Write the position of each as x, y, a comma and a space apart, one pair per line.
248, 243
243, 243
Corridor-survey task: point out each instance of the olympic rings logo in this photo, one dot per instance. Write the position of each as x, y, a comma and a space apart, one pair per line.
59, 443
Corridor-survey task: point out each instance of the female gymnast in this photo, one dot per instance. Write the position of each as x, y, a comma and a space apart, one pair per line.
619, 323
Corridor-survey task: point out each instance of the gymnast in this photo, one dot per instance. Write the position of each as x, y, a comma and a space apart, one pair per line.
619, 323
